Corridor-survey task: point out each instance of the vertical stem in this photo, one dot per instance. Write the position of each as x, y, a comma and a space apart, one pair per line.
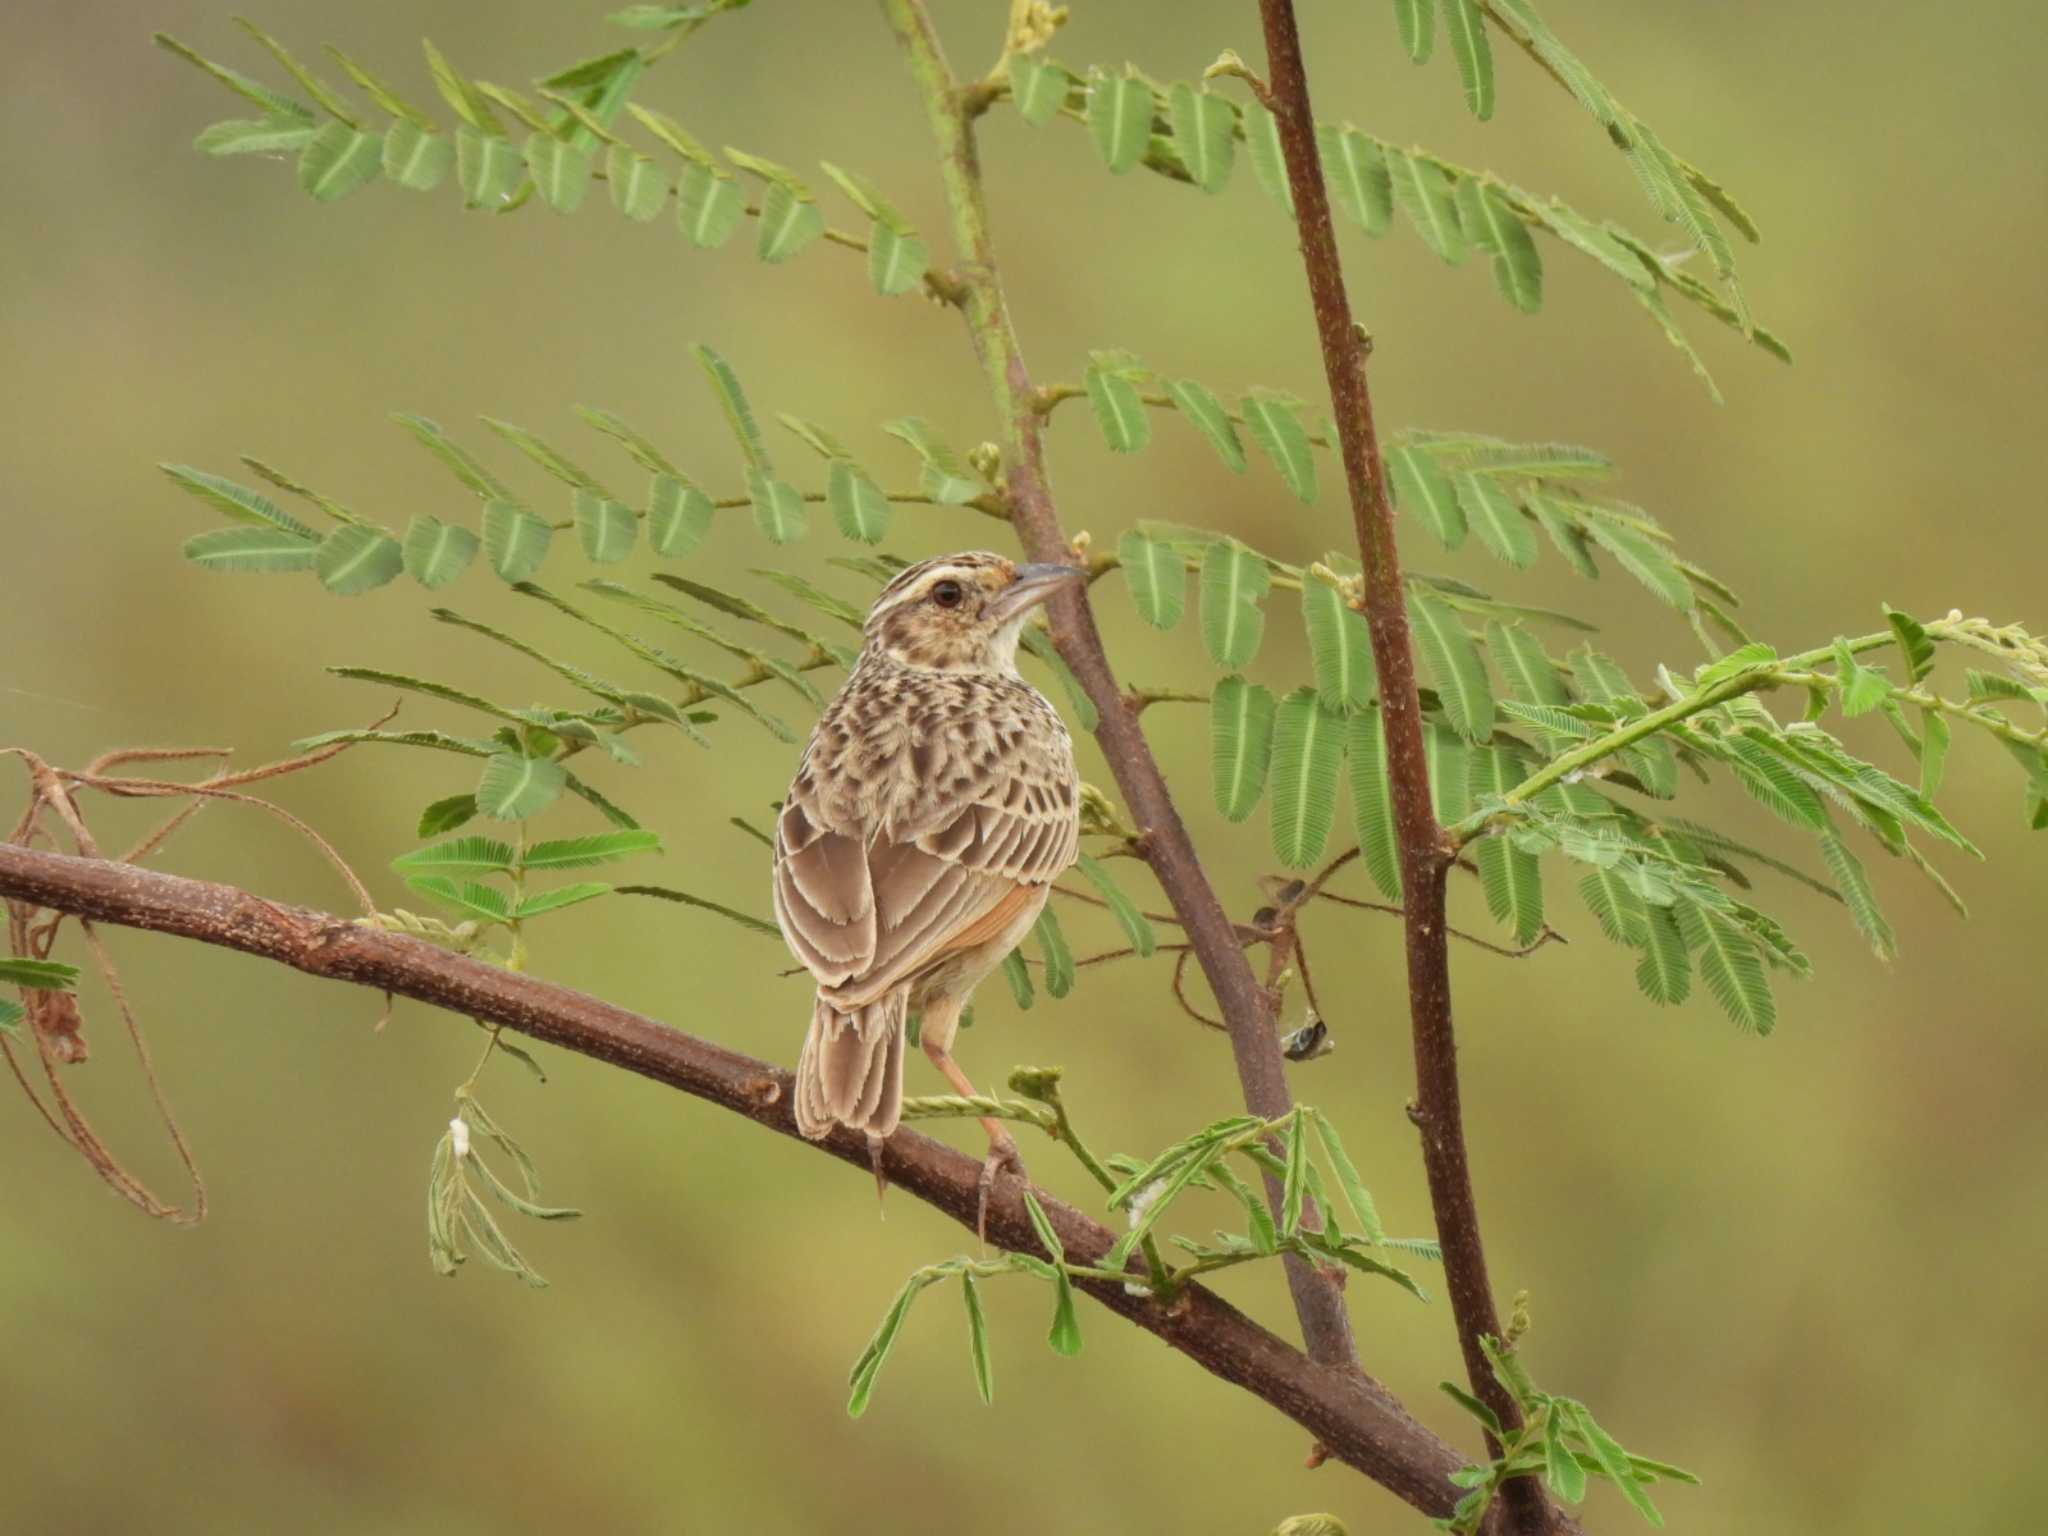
1247, 1006
1425, 853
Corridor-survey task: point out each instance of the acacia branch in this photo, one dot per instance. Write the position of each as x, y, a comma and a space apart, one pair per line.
1425, 852
1356, 1419
1248, 1007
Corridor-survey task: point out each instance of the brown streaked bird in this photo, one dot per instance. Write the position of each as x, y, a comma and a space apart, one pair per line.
935, 804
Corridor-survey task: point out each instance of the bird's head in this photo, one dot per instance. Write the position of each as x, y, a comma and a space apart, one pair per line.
961, 613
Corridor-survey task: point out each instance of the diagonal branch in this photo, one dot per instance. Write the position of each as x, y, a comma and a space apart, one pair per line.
1425, 852
1356, 1419
1248, 1007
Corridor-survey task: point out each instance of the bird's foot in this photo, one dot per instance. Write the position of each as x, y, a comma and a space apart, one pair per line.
1003, 1156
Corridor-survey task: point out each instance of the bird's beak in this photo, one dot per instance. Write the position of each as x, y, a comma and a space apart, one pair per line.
1034, 584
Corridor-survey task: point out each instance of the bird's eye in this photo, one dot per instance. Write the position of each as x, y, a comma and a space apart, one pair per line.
948, 594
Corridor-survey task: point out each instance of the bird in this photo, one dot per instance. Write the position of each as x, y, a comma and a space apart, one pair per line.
935, 804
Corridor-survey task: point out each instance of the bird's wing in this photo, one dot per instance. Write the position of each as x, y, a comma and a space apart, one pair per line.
868, 908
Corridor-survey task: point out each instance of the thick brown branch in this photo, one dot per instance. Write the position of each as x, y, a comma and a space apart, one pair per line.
1356, 1418
1425, 854
1247, 1006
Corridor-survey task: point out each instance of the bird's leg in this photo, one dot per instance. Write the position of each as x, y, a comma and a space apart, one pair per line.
940, 1023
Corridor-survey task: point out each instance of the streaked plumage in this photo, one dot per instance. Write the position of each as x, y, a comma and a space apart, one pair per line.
935, 804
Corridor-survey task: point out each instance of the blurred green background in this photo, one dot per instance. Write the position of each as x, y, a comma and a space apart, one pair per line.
1806, 1267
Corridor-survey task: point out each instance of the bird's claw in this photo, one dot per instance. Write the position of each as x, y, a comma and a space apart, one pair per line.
1002, 1155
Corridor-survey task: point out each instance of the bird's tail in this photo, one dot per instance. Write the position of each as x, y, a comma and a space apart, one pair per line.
851, 1069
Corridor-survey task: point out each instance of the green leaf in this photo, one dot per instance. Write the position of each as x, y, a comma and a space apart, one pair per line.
1018, 975
1423, 191
1355, 1193
354, 559
606, 528
252, 549
561, 896
778, 508
1495, 227
238, 502
1234, 583
1664, 973
709, 205
1913, 642
584, 852
1119, 120
1065, 1335
1454, 664
38, 975
1466, 26
249, 90
1156, 577
560, 170
436, 552
483, 902
489, 169
1731, 966
789, 223
1416, 21
515, 541
1294, 1183
1052, 945
1269, 161
1420, 486
638, 185
1934, 740
1862, 689
1205, 133
1775, 783
1567, 534
1449, 762
446, 815
457, 459
1372, 804
1241, 745
1040, 88
415, 158
1617, 908
732, 399
1561, 1468
1126, 912
1853, 884
686, 899
1308, 748
1118, 410
945, 479
1519, 658
678, 516
857, 503
977, 1337
1612, 1458
1512, 879
1358, 171
458, 856
1275, 424
869, 1365
11, 1015
543, 454
1339, 644
514, 788
897, 261
1202, 408
1498, 520
337, 160
260, 136
1645, 560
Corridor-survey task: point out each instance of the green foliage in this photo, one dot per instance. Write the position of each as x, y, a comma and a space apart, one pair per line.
1559, 1441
